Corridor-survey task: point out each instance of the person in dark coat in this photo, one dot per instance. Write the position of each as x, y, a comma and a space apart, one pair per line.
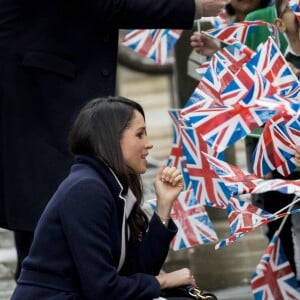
54, 56
93, 240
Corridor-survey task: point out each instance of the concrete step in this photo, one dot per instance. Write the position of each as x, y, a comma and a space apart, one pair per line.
154, 94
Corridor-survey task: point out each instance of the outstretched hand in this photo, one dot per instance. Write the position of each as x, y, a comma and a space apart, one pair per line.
204, 44
212, 7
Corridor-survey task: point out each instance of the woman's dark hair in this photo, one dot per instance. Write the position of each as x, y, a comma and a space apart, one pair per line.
231, 11
97, 132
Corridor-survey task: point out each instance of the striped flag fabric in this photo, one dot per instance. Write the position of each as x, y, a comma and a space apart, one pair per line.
156, 44
208, 188
275, 148
194, 225
273, 277
239, 31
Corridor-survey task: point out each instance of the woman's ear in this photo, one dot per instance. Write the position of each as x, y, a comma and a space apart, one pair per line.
280, 24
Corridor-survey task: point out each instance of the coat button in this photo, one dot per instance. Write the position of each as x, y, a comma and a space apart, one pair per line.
106, 38
104, 72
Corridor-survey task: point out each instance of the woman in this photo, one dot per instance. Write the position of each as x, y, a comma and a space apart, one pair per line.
54, 56
93, 241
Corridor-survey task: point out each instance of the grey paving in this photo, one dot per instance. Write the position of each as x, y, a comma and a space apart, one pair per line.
7, 264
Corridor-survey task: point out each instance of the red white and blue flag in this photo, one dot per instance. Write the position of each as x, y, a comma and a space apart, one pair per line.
273, 277
270, 62
156, 44
221, 126
237, 180
209, 189
244, 217
275, 148
194, 225
239, 31
176, 157
284, 186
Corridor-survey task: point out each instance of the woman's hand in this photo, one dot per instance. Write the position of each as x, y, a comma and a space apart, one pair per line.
168, 184
204, 44
177, 278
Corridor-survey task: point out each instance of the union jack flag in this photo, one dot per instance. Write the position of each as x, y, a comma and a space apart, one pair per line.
236, 179
265, 81
235, 55
273, 277
199, 99
275, 148
210, 82
194, 226
156, 44
209, 189
238, 31
284, 186
244, 218
176, 157
269, 61
221, 126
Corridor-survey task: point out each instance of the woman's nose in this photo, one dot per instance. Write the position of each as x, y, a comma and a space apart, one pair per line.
149, 145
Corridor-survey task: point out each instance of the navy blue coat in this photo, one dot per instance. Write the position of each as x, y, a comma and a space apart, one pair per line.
54, 56
77, 243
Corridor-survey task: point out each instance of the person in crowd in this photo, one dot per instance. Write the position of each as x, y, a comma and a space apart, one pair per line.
93, 240
288, 26
273, 201
54, 56
296, 224
289, 23
236, 11
261, 33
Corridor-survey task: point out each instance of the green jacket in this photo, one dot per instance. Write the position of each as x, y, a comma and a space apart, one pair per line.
258, 36
261, 34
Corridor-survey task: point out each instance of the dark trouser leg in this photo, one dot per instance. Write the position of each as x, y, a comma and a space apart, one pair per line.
23, 240
272, 202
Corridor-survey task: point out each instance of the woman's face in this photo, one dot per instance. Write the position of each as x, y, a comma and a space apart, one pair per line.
135, 144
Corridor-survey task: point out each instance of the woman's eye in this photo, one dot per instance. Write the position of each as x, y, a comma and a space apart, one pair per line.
141, 135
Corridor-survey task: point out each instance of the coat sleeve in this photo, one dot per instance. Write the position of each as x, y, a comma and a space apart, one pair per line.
150, 254
88, 218
137, 14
